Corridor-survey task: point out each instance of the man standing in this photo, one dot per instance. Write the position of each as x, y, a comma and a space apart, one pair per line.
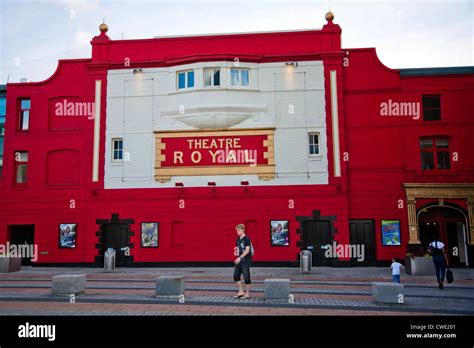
243, 262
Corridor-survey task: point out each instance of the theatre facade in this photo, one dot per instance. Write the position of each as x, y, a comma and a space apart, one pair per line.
159, 147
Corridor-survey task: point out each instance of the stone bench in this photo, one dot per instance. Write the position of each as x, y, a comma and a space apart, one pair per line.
10, 264
68, 284
170, 286
277, 290
385, 292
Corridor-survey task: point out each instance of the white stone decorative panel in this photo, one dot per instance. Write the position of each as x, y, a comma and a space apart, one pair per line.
289, 99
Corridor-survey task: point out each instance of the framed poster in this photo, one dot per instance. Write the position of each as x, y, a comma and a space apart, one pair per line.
391, 233
67, 236
149, 235
279, 233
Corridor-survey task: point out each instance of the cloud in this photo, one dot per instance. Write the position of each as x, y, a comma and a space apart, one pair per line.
82, 38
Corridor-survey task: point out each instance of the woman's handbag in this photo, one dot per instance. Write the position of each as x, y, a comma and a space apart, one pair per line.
449, 276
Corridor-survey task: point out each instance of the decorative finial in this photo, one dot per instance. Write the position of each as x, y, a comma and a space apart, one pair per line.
103, 28
329, 16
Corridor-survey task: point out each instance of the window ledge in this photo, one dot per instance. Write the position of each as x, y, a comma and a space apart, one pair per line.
437, 173
221, 88
315, 157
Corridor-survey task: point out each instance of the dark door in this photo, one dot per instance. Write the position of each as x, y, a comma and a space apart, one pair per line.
362, 236
21, 235
116, 236
316, 236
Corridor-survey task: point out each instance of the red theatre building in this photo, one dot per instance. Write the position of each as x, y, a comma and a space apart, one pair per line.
159, 147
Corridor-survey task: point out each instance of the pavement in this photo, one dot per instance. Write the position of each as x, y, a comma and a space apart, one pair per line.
210, 291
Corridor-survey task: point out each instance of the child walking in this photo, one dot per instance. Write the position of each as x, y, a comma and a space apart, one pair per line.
396, 266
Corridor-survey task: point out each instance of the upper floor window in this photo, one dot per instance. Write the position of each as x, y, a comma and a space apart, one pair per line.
24, 115
431, 107
117, 149
239, 77
435, 153
212, 77
313, 144
21, 167
186, 79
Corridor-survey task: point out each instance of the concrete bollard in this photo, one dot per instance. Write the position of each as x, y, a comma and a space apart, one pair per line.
277, 290
385, 292
170, 287
68, 284
10, 264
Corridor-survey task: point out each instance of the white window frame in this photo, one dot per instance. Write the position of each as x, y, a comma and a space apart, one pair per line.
212, 70
314, 155
113, 150
240, 77
186, 82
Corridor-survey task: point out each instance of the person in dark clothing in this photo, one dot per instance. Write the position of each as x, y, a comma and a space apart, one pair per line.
242, 262
440, 260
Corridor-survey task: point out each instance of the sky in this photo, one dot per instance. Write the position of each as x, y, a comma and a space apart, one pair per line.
35, 34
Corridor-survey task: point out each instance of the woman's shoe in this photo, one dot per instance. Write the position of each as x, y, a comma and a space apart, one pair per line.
441, 286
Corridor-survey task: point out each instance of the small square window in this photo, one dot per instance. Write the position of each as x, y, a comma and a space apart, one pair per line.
435, 153
313, 144
117, 149
186, 79
24, 115
212, 77
21, 167
431, 107
239, 77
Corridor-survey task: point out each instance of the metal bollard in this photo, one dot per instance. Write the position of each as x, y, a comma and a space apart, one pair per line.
109, 260
306, 261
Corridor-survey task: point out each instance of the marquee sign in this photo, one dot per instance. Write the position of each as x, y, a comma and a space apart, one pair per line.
215, 153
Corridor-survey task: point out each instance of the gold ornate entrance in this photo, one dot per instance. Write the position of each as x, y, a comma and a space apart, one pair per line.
439, 192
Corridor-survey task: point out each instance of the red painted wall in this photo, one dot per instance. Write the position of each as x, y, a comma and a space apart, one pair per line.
383, 153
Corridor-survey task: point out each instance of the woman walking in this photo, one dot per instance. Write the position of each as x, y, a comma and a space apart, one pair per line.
440, 259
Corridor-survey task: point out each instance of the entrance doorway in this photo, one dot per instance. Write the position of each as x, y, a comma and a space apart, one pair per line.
362, 233
116, 236
21, 235
449, 223
316, 235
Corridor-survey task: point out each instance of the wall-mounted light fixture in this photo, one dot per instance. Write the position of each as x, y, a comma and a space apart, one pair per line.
179, 185
138, 70
212, 184
293, 64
